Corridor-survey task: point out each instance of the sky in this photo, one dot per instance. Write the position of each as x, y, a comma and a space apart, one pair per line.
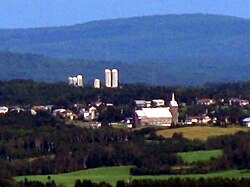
42, 13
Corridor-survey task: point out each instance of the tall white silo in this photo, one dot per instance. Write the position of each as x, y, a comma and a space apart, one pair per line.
80, 80
97, 83
108, 78
115, 78
70, 80
75, 81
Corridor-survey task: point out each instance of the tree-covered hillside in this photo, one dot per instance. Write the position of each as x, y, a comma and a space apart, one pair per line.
166, 38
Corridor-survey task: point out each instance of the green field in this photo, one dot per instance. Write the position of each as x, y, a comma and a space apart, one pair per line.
195, 156
201, 133
113, 174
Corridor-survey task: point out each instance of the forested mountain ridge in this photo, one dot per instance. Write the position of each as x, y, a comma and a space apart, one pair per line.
150, 38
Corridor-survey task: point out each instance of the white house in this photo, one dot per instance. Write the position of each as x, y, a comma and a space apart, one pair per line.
3, 109
246, 122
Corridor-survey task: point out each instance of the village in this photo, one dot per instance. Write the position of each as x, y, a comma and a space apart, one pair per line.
155, 112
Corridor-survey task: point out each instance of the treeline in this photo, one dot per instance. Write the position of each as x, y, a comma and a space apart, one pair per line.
26, 183
172, 182
27, 92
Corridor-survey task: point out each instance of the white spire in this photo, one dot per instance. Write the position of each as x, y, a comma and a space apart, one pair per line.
173, 101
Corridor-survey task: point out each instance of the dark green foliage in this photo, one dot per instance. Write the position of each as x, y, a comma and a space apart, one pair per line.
26, 183
27, 92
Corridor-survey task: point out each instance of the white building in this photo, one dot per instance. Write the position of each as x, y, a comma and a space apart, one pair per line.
70, 80
79, 80
115, 78
158, 103
153, 116
75, 81
97, 83
3, 109
246, 122
108, 78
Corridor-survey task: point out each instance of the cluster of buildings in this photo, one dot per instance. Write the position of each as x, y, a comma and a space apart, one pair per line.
231, 102
76, 81
111, 80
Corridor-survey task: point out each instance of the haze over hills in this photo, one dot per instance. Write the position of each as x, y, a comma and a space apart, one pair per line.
169, 49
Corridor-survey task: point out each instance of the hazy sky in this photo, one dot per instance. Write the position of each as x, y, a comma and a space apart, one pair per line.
40, 13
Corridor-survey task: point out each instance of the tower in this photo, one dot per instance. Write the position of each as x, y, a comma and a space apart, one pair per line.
97, 83
108, 78
174, 109
75, 81
79, 81
115, 78
70, 79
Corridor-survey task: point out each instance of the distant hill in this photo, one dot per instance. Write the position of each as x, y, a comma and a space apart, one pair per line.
42, 68
166, 38
187, 49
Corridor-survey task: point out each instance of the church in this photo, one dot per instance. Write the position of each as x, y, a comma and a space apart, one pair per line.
157, 116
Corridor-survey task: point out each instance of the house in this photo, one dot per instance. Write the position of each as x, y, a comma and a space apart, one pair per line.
158, 103
238, 102
139, 104
4, 109
205, 102
201, 119
246, 122
63, 113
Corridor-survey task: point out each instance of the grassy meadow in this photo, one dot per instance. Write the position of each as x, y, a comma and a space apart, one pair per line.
195, 156
201, 132
113, 174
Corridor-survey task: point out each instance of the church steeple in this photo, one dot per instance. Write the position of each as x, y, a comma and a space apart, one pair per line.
174, 109
173, 102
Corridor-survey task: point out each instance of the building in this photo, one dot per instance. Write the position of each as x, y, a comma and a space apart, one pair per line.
157, 103
205, 102
139, 104
174, 109
92, 113
157, 114
97, 83
246, 122
238, 102
79, 80
75, 81
4, 109
111, 78
201, 119
108, 78
70, 80
153, 116
115, 78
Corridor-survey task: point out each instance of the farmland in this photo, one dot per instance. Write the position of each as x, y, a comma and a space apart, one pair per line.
201, 133
195, 156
